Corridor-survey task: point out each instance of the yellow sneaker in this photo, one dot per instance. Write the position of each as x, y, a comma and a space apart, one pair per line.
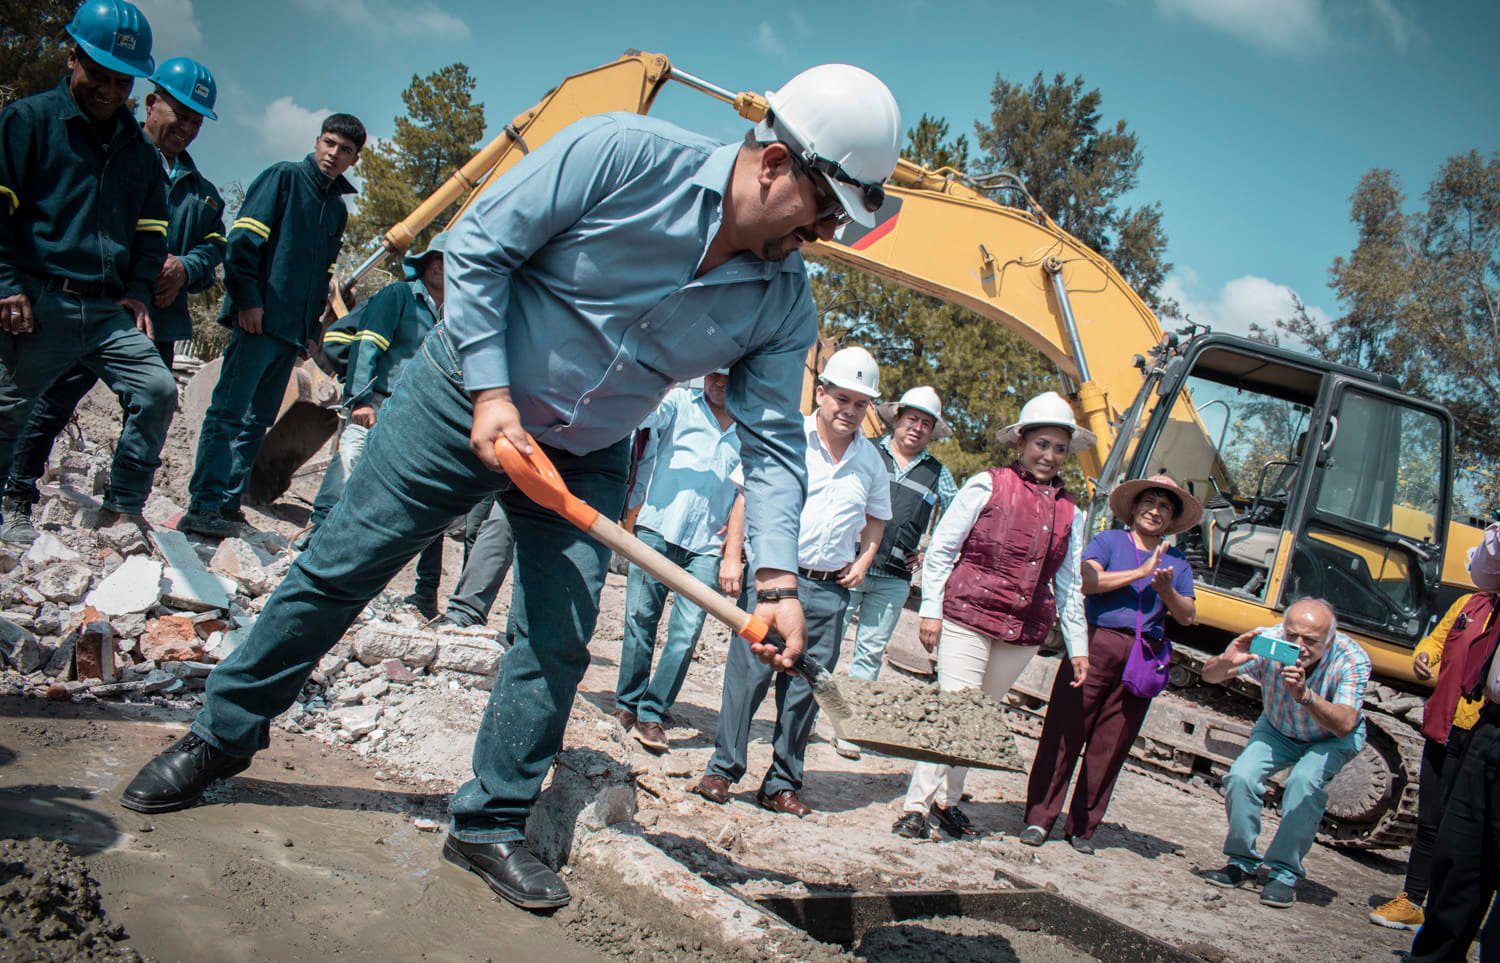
1399, 914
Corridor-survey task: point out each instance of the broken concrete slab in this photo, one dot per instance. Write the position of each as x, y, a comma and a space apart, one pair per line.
65, 582
245, 563
60, 663
48, 548
379, 641
133, 587
477, 656
19, 647
188, 585
125, 538
374, 689
187, 670
171, 638
358, 721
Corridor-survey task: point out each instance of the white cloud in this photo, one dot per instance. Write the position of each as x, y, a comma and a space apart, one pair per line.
1397, 27
174, 27
287, 129
1280, 26
799, 22
1246, 300
390, 17
767, 43
1300, 27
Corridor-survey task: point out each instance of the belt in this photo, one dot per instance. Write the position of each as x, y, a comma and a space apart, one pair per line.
817, 576
87, 289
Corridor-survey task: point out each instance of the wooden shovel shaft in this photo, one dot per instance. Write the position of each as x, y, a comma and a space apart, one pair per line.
676, 578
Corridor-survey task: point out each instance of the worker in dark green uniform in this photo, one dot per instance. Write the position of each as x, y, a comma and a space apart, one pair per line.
184, 96
282, 248
83, 232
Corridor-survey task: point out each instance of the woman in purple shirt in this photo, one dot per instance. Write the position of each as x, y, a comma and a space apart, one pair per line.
1131, 581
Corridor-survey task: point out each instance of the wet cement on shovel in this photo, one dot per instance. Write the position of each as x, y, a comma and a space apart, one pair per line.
965, 727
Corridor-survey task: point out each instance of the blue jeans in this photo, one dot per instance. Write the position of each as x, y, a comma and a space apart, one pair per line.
1313, 766
747, 679
877, 602
100, 336
637, 690
253, 376
351, 446
417, 474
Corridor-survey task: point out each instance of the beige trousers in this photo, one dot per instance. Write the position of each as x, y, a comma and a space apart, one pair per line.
966, 660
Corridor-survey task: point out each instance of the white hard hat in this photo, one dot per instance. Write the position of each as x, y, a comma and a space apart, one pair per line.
854, 369
844, 123
1047, 409
923, 399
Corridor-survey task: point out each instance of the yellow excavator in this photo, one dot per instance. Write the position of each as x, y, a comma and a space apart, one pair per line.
1319, 479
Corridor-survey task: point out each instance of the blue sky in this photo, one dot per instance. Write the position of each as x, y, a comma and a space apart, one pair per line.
1256, 117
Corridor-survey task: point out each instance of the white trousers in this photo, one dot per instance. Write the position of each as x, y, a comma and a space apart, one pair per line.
965, 660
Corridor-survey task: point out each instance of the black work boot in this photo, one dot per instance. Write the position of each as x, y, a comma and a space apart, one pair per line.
209, 524
17, 529
511, 870
176, 778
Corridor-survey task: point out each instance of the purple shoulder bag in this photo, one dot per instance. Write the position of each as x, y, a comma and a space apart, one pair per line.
1148, 667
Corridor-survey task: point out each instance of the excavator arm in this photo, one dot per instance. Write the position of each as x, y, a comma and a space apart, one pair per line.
936, 234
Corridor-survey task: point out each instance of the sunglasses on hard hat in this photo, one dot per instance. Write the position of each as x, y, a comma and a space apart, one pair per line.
871, 196
830, 208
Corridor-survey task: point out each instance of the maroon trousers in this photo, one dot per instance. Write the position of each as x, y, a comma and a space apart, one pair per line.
1099, 721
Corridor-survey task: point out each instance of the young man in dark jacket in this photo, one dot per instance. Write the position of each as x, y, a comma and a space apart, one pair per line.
83, 230
184, 96
282, 248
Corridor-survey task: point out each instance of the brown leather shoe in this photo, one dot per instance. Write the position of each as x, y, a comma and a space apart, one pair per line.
785, 801
625, 718
652, 736
713, 788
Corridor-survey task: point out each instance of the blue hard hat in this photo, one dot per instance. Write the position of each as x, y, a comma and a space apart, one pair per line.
115, 35
415, 264
190, 84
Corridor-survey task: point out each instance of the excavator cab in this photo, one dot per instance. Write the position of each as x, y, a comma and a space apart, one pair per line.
1317, 479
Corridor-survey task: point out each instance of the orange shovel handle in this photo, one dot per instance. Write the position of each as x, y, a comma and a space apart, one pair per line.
538, 478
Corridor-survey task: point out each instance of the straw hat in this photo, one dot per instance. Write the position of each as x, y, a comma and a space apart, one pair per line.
1047, 410
925, 400
1122, 501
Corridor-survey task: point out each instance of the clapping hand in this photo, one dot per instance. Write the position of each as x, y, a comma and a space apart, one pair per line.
1161, 580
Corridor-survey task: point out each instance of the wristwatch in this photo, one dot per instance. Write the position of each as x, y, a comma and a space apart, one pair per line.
775, 594
1307, 699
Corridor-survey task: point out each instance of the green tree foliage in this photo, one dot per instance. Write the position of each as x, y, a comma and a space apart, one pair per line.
982, 372
441, 129
33, 47
1052, 136
1421, 292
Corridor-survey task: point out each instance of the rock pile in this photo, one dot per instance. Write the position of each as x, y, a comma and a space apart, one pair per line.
965, 727
125, 614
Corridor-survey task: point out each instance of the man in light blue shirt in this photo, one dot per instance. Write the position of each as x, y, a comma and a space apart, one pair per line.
685, 511
619, 257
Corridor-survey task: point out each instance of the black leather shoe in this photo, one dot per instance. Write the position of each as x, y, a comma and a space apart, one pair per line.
511, 871
176, 778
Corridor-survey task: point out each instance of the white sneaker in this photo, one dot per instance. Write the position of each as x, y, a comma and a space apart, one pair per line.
846, 748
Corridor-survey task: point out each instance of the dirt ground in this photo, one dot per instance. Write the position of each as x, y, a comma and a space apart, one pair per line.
313, 851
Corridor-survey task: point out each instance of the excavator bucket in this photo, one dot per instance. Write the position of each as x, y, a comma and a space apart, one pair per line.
306, 420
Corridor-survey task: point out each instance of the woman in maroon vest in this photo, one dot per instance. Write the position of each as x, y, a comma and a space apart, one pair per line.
1132, 581
1003, 560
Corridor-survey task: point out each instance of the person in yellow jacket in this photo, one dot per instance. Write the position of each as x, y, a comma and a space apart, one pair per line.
1466, 632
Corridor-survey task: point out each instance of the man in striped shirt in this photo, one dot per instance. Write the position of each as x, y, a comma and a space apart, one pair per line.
1312, 724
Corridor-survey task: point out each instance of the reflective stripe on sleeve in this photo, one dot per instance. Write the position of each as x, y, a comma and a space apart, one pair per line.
251, 224
151, 226
10, 195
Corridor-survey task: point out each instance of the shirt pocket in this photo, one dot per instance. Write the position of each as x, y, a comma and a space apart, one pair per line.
684, 352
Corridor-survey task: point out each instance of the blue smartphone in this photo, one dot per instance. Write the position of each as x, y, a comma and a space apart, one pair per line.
1277, 650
